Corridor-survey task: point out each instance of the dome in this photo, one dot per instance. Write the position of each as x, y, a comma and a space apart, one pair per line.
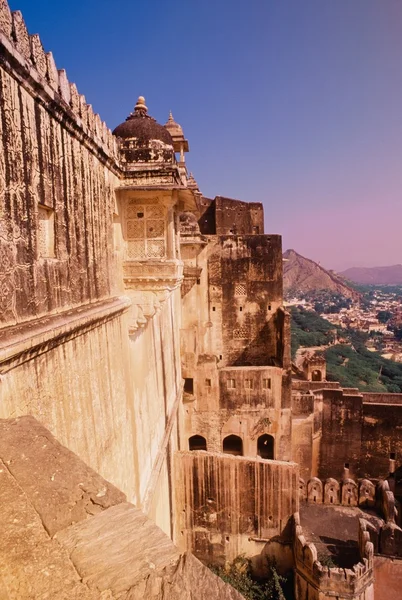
173, 128
142, 127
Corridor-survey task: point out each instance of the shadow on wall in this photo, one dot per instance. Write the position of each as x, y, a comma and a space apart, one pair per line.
268, 347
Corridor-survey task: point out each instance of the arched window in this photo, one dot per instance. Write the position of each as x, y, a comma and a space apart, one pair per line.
233, 444
197, 442
265, 446
316, 375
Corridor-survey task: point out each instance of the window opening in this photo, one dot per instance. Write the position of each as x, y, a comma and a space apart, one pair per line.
266, 384
233, 444
189, 385
197, 442
265, 446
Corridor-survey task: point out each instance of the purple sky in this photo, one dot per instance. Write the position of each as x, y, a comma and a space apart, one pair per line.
295, 103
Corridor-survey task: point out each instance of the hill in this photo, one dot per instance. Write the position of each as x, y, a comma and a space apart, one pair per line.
303, 275
375, 275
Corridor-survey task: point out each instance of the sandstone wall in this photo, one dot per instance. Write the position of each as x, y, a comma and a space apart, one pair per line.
313, 581
362, 431
66, 355
387, 578
57, 180
111, 398
226, 505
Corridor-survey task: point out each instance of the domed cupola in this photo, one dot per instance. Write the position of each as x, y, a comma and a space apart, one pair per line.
142, 139
180, 144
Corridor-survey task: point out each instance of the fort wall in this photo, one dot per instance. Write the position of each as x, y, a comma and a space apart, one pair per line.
227, 505
66, 354
317, 582
361, 431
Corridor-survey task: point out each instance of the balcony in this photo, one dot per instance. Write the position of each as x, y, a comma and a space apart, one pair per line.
154, 275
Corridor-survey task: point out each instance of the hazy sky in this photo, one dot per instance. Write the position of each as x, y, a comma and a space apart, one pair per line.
294, 103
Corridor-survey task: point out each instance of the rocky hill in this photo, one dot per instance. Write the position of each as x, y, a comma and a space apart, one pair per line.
375, 275
301, 274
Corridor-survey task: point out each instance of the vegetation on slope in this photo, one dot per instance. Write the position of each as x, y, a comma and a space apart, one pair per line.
351, 364
355, 366
309, 329
238, 575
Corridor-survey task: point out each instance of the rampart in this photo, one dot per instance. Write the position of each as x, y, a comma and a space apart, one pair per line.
315, 581
227, 505
386, 537
66, 354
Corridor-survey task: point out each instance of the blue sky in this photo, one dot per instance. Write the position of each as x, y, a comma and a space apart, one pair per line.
294, 103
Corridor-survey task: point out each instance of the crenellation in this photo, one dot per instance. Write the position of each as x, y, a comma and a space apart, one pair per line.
355, 582
90, 119
83, 110
21, 36
6, 23
64, 86
98, 127
75, 99
52, 72
38, 55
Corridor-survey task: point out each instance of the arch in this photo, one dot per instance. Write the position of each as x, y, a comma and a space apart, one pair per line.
233, 444
265, 446
316, 375
197, 442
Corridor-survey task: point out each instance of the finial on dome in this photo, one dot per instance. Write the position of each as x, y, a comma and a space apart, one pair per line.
170, 119
140, 107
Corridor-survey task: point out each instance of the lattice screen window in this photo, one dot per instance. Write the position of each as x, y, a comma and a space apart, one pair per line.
241, 333
146, 235
240, 289
45, 235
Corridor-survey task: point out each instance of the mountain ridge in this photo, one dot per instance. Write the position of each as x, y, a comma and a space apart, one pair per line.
391, 275
301, 274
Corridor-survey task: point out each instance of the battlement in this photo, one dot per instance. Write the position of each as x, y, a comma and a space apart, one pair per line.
22, 55
346, 492
310, 573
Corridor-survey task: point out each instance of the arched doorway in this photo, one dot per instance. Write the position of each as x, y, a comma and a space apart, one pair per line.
265, 446
316, 375
233, 444
197, 442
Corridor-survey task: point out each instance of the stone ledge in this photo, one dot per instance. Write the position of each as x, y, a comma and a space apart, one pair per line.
22, 342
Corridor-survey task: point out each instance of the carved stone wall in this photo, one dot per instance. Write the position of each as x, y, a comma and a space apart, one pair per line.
56, 157
66, 355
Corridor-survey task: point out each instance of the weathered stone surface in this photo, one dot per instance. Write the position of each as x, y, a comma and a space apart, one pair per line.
62, 488
5, 18
96, 549
124, 552
32, 565
52, 72
21, 35
227, 505
38, 54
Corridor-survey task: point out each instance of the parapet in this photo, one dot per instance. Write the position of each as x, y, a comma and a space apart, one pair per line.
23, 56
346, 492
333, 581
